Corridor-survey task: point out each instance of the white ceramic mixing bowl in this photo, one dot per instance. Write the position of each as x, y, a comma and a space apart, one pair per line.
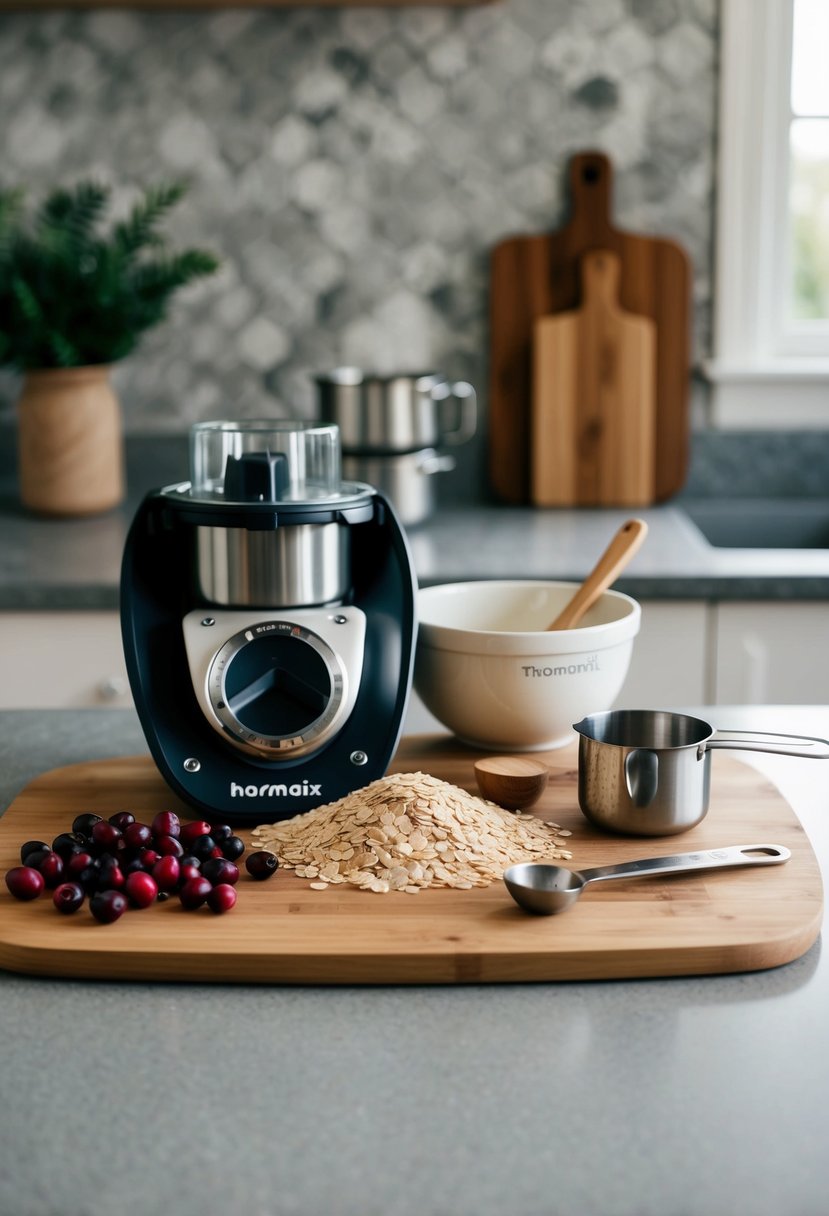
489, 671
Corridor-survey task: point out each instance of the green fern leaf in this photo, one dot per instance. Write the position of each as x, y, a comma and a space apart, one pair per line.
27, 301
66, 354
138, 231
11, 208
72, 292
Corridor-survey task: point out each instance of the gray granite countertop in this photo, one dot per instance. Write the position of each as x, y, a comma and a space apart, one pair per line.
74, 564
703, 1096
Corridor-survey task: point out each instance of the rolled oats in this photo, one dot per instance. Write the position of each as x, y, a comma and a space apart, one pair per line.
408, 831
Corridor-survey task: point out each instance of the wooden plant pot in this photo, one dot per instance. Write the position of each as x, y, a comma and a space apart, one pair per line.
70, 442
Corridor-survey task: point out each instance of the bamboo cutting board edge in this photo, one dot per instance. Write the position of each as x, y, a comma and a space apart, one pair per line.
593, 410
705, 924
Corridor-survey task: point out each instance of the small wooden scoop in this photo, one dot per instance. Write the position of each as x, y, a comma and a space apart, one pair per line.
514, 782
607, 569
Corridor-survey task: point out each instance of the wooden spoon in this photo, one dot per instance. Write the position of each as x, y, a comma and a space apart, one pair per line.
607, 569
514, 782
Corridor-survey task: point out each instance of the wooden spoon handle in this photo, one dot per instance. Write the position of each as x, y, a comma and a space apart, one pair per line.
607, 569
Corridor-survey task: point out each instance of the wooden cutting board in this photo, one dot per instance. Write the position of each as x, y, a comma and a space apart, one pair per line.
281, 931
537, 276
594, 399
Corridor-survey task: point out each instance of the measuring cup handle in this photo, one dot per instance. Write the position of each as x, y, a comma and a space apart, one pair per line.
642, 776
811, 747
710, 859
466, 411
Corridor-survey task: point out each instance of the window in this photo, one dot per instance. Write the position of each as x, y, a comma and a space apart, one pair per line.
806, 263
771, 363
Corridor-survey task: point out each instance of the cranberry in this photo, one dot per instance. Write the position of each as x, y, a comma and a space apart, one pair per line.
202, 847
138, 835
141, 889
36, 857
166, 823
32, 846
68, 897
148, 858
106, 835
68, 843
220, 831
167, 873
189, 831
189, 867
261, 865
122, 820
194, 893
24, 882
77, 863
133, 865
51, 867
218, 870
169, 846
107, 906
221, 898
89, 878
233, 848
110, 875
83, 824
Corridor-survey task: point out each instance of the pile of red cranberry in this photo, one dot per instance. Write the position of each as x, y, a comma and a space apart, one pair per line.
120, 863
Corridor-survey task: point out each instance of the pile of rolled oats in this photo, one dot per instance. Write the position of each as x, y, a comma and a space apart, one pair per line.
407, 831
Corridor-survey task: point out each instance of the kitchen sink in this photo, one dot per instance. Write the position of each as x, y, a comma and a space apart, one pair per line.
761, 523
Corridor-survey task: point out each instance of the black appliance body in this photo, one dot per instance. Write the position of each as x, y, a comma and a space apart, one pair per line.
256, 711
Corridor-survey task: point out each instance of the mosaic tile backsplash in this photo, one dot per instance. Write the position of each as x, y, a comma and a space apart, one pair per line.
353, 168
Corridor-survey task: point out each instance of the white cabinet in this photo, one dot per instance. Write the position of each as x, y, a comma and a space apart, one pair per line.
771, 654
670, 662
62, 660
688, 652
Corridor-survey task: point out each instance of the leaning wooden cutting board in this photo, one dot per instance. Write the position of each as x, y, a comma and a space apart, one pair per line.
537, 276
594, 399
281, 931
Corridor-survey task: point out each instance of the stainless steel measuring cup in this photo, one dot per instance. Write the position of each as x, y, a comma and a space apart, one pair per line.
646, 772
546, 889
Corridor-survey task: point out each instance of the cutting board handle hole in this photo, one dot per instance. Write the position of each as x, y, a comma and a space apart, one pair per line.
590, 174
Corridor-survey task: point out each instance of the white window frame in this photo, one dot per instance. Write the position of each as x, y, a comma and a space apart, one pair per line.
758, 381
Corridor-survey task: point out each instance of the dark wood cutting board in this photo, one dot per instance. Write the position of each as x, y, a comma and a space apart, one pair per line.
281, 931
537, 276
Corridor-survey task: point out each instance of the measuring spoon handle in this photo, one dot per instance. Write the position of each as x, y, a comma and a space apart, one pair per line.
676, 863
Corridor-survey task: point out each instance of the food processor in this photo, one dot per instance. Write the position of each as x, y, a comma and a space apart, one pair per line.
268, 621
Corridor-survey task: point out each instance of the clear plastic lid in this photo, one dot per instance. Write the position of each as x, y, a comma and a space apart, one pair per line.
266, 460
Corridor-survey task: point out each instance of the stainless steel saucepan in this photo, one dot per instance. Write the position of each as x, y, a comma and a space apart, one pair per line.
647, 772
400, 412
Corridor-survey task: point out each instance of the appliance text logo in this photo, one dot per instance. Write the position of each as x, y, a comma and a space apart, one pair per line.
299, 790
564, 669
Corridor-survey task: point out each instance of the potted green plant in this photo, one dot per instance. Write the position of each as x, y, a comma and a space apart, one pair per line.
77, 292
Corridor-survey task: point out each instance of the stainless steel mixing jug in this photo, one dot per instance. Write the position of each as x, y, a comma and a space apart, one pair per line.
300, 565
648, 772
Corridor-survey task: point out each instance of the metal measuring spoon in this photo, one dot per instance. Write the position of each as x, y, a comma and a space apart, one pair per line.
547, 889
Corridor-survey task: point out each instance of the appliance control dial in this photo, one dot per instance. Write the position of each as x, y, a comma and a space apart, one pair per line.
277, 688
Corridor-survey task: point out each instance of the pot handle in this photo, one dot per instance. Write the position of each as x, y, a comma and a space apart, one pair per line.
812, 747
466, 417
641, 775
436, 463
